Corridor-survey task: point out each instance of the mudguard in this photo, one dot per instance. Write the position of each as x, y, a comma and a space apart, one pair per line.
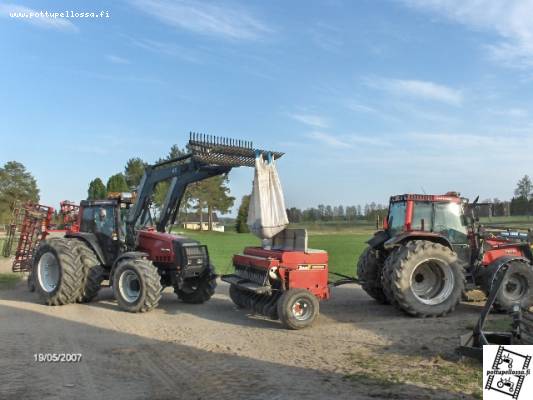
125, 256
378, 239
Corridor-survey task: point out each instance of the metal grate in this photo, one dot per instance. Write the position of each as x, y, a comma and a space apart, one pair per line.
33, 230
225, 151
256, 275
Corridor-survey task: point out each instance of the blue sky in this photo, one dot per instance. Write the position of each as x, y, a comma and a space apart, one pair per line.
366, 98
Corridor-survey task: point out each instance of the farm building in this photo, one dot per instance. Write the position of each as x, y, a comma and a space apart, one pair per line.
196, 222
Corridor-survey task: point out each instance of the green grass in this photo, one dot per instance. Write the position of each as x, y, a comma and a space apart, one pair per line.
343, 248
8, 281
517, 221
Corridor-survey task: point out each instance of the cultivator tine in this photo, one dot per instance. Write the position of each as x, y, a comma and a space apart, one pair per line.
225, 151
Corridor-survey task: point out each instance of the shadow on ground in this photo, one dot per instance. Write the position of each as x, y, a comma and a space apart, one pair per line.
125, 366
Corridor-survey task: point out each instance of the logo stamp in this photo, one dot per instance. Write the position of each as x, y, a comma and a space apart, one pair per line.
506, 372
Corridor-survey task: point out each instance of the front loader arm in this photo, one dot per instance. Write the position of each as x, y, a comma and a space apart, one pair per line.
208, 156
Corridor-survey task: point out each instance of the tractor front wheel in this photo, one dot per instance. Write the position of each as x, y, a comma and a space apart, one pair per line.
297, 308
517, 286
137, 285
198, 290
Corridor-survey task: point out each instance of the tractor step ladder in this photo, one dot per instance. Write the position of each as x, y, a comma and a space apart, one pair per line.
33, 229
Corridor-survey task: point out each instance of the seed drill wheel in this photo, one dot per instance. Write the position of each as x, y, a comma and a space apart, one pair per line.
517, 286
297, 308
426, 279
369, 271
237, 296
57, 272
137, 285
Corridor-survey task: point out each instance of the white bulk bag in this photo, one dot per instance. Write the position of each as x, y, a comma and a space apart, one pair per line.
266, 214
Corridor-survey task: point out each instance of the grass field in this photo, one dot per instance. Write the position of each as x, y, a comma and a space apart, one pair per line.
343, 248
517, 221
8, 280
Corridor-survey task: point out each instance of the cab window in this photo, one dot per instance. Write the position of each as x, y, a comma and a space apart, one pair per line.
397, 216
449, 222
422, 211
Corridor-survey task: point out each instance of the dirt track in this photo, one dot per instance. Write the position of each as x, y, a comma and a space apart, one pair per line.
211, 350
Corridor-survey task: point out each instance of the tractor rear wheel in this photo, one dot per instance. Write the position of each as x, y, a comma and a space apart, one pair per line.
386, 274
297, 308
369, 270
137, 285
426, 279
236, 295
517, 286
198, 290
57, 272
93, 273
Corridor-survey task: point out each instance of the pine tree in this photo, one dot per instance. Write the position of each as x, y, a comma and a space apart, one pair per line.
117, 183
97, 190
242, 215
16, 184
134, 171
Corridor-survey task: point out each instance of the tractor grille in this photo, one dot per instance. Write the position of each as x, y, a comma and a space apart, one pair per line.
195, 260
256, 275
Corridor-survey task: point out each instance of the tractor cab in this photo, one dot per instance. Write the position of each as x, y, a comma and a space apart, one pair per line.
103, 221
438, 214
439, 218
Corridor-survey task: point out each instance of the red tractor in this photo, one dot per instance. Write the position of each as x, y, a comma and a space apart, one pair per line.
432, 250
285, 281
117, 240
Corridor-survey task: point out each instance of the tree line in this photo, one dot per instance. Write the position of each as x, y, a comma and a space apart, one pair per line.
322, 213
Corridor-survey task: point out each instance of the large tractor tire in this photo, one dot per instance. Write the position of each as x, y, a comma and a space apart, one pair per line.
297, 308
93, 273
386, 274
426, 279
57, 272
369, 270
517, 286
198, 290
137, 285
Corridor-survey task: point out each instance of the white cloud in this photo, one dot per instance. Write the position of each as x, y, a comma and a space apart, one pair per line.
511, 20
328, 139
315, 121
60, 24
349, 141
167, 49
361, 108
511, 112
204, 18
420, 89
116, 59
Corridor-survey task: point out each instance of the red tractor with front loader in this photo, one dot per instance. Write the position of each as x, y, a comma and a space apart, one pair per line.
432, 250
118, 240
